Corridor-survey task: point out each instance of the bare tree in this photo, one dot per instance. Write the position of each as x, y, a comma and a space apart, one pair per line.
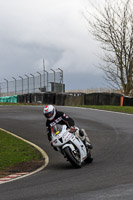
113, 28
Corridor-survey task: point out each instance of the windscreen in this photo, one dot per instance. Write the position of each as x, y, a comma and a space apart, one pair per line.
56, 128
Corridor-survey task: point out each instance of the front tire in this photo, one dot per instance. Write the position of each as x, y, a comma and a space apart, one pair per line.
89, 158
73, 159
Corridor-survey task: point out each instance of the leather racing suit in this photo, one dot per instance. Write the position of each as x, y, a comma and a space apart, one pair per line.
60, 118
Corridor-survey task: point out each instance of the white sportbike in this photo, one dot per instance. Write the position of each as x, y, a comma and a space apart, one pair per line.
70, 145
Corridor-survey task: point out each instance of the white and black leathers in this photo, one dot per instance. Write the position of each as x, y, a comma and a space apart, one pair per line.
60, 118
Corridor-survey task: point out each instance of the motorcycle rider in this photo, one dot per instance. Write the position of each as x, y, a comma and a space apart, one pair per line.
54, 116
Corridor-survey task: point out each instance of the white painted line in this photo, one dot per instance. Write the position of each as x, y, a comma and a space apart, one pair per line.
25, 174
93, 109
120, 113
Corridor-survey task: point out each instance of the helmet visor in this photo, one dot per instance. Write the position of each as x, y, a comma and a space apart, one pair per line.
49, 114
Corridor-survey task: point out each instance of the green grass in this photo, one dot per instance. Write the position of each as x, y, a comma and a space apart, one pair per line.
14, 104
14, 151
124, 109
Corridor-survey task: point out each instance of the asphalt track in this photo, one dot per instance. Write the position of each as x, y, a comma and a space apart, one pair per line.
110, 176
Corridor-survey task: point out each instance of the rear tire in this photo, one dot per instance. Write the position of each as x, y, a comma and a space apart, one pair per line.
72, 158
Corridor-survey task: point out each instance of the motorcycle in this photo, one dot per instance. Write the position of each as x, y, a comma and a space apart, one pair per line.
70, 146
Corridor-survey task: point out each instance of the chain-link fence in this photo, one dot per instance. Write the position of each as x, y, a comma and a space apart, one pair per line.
48, 82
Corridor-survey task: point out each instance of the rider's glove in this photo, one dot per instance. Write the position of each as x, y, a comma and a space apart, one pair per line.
72, 129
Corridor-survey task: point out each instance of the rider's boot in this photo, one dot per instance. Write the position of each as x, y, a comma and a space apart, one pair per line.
89, 145
85, 138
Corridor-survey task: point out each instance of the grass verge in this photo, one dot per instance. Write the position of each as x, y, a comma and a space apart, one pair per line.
15, 104
14, 151
124, 109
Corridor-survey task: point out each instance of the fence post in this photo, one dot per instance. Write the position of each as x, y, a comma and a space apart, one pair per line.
22, 83
44, 72
7, 85
54, 78
40, 79
47, 80
27, 82
33, 82
15, 85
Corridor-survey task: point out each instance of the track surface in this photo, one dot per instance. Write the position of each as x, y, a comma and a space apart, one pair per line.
110, 176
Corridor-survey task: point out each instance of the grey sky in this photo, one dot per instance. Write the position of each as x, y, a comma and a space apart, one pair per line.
55, 30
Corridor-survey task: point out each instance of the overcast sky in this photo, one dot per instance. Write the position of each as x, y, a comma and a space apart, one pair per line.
54, 30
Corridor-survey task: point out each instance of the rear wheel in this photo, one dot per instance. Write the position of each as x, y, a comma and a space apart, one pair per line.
73, 157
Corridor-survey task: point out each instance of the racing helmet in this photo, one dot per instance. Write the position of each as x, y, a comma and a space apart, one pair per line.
49, 112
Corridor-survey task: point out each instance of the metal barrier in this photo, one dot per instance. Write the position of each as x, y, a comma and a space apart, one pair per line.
67, 99
47, 82
102, 99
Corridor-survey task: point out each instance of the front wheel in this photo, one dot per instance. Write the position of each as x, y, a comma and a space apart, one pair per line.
73, 157
89, 158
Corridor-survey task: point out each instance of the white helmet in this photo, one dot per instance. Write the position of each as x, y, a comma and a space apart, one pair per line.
49, 111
